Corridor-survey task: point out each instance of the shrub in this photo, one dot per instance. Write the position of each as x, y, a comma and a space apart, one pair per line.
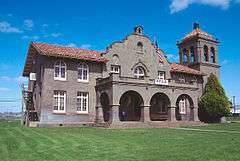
213, 103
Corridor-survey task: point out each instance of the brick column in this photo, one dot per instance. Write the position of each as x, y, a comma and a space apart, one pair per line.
115, 113
171, 113
146, 113
99, 114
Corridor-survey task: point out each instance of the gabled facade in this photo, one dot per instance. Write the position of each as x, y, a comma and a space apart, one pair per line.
131, 81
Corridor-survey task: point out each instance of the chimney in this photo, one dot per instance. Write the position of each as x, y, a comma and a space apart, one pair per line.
196, 26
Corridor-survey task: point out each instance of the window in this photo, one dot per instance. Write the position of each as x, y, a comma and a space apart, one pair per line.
182, 106
212, 55
59, 102
182, 78
206, 59
139, 72
83, 72
185, 56
82, 102
60, 70
139, 47
115, 69
161, 75
192, 55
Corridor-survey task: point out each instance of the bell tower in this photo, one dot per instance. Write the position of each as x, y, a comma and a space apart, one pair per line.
199, 50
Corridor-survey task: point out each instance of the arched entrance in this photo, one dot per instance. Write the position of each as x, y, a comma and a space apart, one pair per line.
184, 110
159, 107
104, 99
131, 103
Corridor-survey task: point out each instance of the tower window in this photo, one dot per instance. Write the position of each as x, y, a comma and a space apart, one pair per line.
139, 47
213, 55
206, 59
185, 56
192, 54
139, 72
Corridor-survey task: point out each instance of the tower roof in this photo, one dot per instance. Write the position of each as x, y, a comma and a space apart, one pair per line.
197, 32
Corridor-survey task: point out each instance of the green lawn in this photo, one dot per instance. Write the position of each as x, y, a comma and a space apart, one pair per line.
92, 144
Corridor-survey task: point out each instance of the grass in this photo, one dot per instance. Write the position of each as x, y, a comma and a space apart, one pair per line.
93, 144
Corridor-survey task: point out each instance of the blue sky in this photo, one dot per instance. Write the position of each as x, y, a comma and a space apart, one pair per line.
95, 24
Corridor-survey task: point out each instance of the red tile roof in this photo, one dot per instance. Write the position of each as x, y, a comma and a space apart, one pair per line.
68, 52
197, 32
184, 69
60, 51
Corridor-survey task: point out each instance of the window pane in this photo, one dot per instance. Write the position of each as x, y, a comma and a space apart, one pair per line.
56, 72
62, 104
84, 104
85, 75
62, 72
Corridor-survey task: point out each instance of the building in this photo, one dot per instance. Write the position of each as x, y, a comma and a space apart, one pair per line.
131, 81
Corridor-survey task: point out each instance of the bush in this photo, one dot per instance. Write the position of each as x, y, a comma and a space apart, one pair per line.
214, 103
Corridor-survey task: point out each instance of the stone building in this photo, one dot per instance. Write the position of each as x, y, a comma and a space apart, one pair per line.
131, 81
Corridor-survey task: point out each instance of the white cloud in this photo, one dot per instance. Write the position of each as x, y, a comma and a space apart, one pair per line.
85, 46
6, 27
35, 37
72, 45
172, 57
45, 25
4, 89
178, 5
55, 34
18, 79
224, 62
28, 24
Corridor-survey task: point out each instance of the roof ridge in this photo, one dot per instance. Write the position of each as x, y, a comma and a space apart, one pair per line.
65, 46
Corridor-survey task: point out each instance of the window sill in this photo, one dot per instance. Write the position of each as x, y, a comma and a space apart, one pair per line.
59, 79
83, 81
82, 113
59, 113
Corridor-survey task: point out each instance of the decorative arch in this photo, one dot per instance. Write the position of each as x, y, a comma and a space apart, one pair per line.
185, 56
184, 110
213, 59
131, 103
159, 104
206, 57
140, 63
192, 55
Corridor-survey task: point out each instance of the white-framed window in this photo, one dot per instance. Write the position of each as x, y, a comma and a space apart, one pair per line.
60, 69
182, 78
83, 72
161, 75
139, 72
115, 69
182, 106
59, 101
82, 102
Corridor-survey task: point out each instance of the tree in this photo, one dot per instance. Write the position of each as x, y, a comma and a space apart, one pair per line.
214, 103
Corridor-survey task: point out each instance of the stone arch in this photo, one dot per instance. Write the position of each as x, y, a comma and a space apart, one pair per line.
184, 108
159, 105
105, 103
131, 103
